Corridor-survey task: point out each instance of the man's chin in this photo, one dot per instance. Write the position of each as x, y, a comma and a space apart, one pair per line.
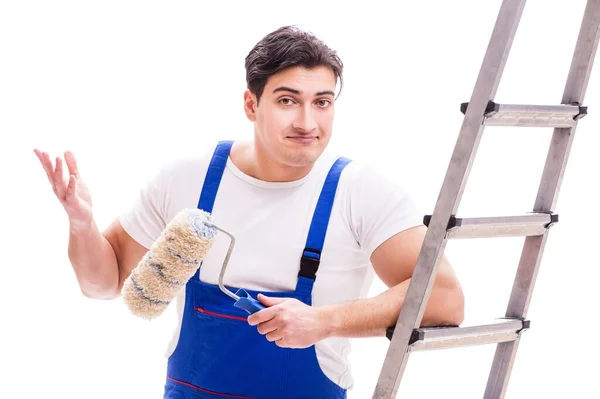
302, 158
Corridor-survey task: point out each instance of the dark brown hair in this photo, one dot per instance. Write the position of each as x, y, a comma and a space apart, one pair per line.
288, 47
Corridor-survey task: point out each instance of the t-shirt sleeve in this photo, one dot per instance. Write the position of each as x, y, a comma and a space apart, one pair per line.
145, 220
380, 209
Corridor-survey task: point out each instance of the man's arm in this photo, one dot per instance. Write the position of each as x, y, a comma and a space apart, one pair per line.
394, 262
103, 261
293, 324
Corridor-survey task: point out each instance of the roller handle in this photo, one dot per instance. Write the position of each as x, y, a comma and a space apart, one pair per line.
247, 303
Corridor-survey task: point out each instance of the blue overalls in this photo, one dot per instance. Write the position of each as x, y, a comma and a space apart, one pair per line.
219, 355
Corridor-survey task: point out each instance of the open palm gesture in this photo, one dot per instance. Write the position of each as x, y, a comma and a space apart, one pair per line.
72, 193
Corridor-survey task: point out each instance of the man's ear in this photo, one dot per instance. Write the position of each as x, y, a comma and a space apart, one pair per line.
250, 105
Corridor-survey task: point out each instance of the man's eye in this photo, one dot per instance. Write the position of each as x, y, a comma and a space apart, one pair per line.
323, 103
285, 101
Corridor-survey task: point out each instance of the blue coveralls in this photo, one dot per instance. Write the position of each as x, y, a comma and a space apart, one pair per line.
219, 355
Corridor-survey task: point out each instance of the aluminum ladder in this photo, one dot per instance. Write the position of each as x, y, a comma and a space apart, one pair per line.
443, 224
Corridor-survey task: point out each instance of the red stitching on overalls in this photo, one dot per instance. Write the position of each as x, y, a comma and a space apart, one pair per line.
221, 315
206, 390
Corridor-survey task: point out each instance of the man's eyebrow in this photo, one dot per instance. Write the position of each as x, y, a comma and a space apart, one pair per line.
284, 88
322, 93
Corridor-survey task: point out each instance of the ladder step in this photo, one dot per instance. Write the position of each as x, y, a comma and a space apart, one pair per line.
502, 330
557, 116
534, 224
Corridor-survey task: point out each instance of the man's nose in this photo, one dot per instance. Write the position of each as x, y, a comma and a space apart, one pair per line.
305, 121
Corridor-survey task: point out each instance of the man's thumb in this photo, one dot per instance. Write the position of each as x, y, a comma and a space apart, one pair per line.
269, 301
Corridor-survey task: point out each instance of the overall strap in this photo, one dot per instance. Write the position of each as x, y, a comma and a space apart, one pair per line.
213, 179
311, 256
214, 175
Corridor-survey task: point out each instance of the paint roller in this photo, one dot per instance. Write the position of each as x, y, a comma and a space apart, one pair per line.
172, 260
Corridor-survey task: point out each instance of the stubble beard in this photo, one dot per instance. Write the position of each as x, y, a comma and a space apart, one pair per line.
301, 157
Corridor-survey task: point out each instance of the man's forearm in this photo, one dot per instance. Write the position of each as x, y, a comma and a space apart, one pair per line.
371, 317
94, 262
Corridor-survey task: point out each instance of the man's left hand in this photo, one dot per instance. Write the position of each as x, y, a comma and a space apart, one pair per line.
289, 322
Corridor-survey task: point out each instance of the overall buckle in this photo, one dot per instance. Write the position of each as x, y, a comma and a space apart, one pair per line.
309, 263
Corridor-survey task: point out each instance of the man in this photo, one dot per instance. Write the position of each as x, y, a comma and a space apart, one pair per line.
310, 231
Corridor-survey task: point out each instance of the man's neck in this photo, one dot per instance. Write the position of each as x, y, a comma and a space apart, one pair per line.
246, 158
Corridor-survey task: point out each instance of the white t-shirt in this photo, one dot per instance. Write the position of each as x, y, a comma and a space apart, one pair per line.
270, 222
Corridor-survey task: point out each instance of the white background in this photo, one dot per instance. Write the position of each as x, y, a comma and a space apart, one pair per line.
127, 85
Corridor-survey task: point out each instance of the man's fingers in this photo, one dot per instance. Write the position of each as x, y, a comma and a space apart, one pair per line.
71, 163
47, 165
261, 316
71, 188
267, 327
59, 180
274, 336
62, 189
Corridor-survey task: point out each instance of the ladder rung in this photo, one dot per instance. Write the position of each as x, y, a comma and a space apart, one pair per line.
557, 116
503, 330
534, 224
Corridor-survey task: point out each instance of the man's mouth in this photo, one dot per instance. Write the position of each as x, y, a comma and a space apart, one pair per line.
303, 139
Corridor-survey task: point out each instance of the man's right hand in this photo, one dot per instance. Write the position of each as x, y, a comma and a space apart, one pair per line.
102, 261
73, 193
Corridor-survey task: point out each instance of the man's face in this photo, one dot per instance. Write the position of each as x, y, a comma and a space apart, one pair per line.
294, 118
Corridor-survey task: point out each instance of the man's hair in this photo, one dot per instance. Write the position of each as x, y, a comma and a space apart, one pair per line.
288, 47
